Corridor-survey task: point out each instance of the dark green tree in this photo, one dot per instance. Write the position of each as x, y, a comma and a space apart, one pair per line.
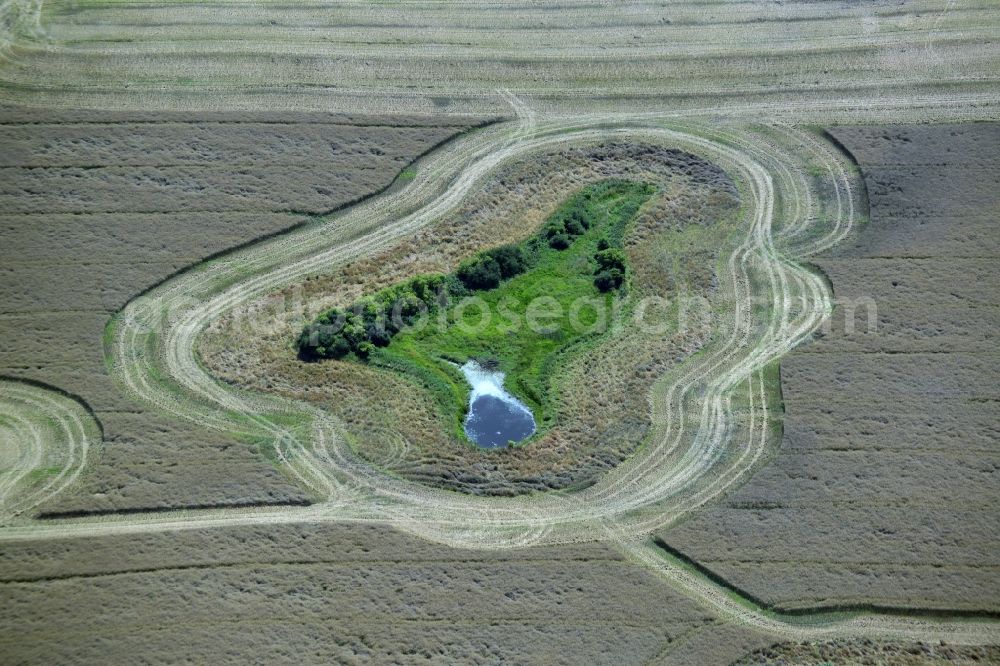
559, 241
611, 258
609, 279
481, 272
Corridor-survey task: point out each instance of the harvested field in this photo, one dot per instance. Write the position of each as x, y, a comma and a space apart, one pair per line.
683, 502
701, 56
729, 389
330, 593
96, 209
46, 439
732, 388
885, 490
870, 652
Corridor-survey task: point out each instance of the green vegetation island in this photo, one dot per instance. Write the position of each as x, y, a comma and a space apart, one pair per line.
518, 308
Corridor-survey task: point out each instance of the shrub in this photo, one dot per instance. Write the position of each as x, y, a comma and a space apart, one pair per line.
354, 332
611, 258
481, 272
610, 273
609, 279
373, 321
339, 348
575, 227
377, 335
559, 241
511, 259
425, 287
407, 310
553, 228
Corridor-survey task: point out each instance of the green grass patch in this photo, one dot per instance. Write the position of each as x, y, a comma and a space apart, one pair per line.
43, 473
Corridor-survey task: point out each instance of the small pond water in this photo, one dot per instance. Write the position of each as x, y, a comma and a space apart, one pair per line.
495, 416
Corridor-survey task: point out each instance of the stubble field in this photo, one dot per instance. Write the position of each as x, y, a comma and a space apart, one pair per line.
424, 57
94, 210
885, 488
750, 503
220, 562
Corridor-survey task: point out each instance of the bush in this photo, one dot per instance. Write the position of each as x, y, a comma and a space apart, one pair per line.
407, 310
553, 228
611, 258
511, 260
609, 279
575, 227
377, 335
338, 349
426, 287
611, 262
481, 272
559, 241
371, 322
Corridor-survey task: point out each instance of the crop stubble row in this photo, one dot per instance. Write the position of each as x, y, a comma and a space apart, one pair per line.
885, 489
430, 57
84, 227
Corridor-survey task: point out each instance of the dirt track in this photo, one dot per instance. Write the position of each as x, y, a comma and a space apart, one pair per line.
45, 441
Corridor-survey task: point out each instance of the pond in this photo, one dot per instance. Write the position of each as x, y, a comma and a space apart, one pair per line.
496, 418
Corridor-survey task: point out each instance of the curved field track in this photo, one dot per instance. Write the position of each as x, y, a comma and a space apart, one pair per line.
711, 412
676, 242
732, 82
669, 476
45, 440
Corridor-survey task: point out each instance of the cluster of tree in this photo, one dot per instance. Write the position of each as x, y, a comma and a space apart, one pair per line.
561, 231
487, 269
610, 273
372, 321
